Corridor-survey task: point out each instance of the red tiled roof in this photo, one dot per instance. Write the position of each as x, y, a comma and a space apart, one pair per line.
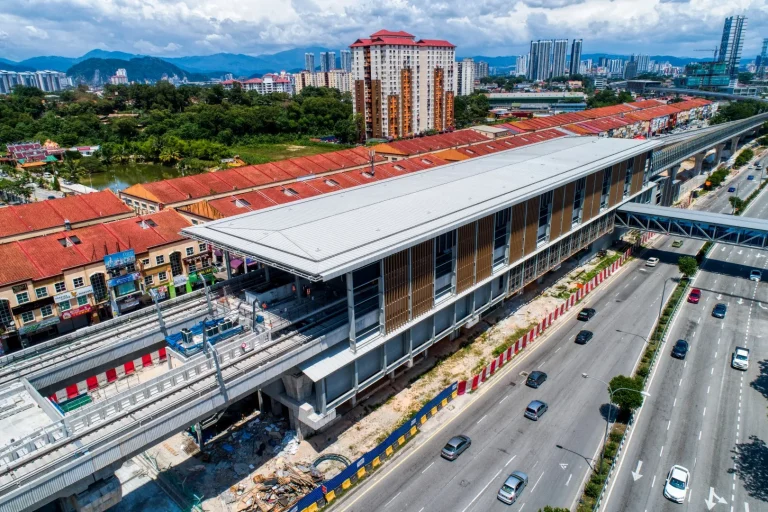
49, 256
236, 180
130, 232
272, 172
164, 191
435, 42
16, 266
389, 33
646, 103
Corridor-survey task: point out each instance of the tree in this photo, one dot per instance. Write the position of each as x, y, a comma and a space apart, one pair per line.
737, 203
72, 170
687, 265
627, 400
471, 109
55, 185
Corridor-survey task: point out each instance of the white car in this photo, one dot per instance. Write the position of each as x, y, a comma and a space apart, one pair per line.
755, 275
652, 262
740, 358
676, 485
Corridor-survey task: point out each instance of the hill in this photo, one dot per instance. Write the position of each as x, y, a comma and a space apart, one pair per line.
51, 62
9, 65
247, 65
138, 69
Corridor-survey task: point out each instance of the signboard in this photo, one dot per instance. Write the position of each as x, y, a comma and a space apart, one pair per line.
30, 328
179, 280
72, 313
77, 292
119, 259
117, 281
19, 288
205, 270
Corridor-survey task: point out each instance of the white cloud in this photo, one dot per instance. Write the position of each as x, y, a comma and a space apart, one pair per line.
36, 32
172, 47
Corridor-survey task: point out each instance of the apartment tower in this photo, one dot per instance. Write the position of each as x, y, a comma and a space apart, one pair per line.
402, 85
309, 62
559, 57
575, 57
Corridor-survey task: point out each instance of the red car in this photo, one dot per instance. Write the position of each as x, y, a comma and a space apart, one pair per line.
694, 296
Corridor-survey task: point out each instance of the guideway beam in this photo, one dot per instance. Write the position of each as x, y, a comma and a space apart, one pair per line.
712, 227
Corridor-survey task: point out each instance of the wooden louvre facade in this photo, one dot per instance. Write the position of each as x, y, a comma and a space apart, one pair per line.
638, 169
518, 232
570, 196
465, 256
531, 224
396, 290
484, 247
376, 109
423, 277
556, 223
592, 196
617, 183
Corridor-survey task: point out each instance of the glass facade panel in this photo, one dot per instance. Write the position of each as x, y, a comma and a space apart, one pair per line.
366, 300
578, 201
444, 256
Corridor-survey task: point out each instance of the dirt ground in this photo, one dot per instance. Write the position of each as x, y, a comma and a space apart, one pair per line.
223, 475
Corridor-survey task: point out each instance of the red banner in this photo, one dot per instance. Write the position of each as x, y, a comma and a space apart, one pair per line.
72, 313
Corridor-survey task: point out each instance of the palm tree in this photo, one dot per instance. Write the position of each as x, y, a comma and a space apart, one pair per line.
72, 170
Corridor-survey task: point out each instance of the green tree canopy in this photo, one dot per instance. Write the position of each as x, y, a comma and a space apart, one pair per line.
627, 400
687, 265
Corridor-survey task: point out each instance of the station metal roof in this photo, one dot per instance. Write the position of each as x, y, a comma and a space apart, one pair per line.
325, 236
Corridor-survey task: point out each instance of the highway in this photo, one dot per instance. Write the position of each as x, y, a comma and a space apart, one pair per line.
555, 452
703, 414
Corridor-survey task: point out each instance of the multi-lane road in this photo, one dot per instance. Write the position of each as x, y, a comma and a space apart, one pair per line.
556, 452
703, 414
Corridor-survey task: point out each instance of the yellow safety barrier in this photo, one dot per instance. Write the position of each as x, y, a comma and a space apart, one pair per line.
454, 394
413, 431
361, 472
433, 411
330, 496
346, 484
389, 451
311, 508
444, 402
375, 462
423, 419
401, 440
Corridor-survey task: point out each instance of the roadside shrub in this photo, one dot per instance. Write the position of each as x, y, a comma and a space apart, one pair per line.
593, 490
643, 371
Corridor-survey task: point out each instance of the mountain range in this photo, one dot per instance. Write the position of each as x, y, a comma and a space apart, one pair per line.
138, 69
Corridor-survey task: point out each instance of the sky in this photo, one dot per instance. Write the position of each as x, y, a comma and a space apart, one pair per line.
174, 28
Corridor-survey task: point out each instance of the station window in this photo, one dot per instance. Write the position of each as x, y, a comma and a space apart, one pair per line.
545, 212
366, 300
22, 298
148, 280
606, 189
190, 251
46, 311
628, 177
162, 276
77, 282
202, 247
578, 201
500, 237
444, 251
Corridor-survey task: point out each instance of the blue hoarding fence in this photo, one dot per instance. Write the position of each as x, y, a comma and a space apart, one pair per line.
119, 259
321, 496
117, 281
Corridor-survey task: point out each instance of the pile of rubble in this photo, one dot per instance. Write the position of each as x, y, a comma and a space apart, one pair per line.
276, 494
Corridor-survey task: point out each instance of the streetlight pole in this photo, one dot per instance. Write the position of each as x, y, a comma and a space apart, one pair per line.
610, 407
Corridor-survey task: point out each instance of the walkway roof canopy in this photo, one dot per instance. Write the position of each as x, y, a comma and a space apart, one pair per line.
325, 236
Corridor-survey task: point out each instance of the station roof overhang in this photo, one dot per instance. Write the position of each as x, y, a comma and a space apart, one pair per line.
325, 236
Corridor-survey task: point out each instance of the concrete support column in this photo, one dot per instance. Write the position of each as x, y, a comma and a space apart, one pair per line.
199, 433
261, 401
351, 312
266, 272
297, 386
277, 407
698, 160
228, 264
321, 400
719, 153
297, 285
735, 144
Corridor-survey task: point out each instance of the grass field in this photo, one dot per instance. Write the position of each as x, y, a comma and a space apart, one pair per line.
263, 153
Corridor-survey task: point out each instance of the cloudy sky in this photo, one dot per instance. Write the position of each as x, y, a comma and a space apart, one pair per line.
478, 27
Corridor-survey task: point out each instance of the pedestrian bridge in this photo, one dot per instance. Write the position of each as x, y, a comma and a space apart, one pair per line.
700, 225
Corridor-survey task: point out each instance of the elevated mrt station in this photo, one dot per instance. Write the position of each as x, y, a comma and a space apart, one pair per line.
403, 263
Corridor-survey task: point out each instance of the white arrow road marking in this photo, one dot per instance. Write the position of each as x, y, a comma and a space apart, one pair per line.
761, 306
719, 296
740, 251
740, 301
563, 466
636, 473
711, 502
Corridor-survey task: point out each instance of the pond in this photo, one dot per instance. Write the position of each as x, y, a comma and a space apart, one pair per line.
120, 177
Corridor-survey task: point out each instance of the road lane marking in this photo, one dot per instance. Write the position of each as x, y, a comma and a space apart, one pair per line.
481, 492
425, 469
712, 372
503, 398
558, 350
699, 435
707, 389
674, 403
668, 424
654, 481
715, 354
662, 450
681, 382
569, 480
510, 460
537, 483
705, 411
393, 498
481, 419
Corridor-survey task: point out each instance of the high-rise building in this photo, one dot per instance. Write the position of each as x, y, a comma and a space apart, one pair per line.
48, 81
465, 77
762, 60
533, 60
309, 62
630, 70
732, 43
327, 61
574, 68
402, 85
120, 77
544, 64
481, 69
346, 60
559, 61
602, 62
616, 67
521, 65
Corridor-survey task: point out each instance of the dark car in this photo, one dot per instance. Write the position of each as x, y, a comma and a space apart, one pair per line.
455, 447
536, 379
731, 189
750, 178
586, 313
719, 310
583, 337
680, 349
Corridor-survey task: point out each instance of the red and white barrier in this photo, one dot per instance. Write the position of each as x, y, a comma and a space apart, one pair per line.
109, 376
529, 337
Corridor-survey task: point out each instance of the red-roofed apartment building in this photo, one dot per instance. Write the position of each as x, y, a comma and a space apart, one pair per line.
401, 85
59, 282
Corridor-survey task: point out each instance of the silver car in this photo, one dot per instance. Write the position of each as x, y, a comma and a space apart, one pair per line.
455, 447
536, 410
512, 487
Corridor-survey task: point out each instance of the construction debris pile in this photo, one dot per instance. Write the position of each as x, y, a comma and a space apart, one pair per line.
276, 494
